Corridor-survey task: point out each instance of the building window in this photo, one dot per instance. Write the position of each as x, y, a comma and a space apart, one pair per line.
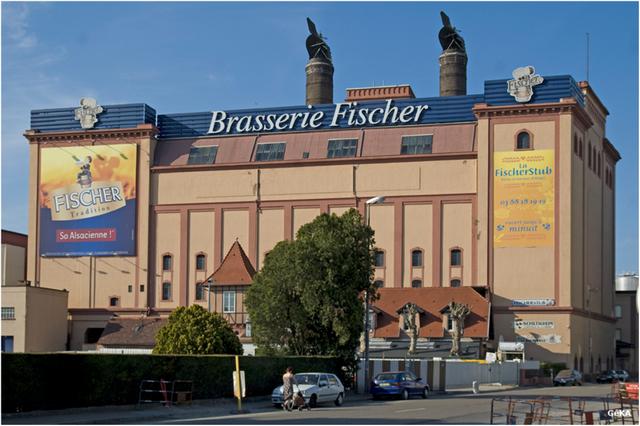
166, 291
449, 322
372, 320
200, 262
342, 148
379, 259
416, 144
589, 156
270, 151
166, 262
130, 288
599, 164
456, 257
617, 310
247, 329
202, 155
141, 288
199, 291
580, 148
416, 283
8, 313
523, 141
416, 258
378, 283
575, 144
228, 302
455, 283
618, 334
114, 301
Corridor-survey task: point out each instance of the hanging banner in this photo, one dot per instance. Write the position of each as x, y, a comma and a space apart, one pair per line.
523, 201
88, 200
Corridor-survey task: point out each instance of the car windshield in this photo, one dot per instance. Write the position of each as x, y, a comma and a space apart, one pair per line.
564, 373
307, 379
620, 371
387, 376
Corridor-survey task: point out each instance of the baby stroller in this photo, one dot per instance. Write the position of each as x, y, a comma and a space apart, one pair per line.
297, 401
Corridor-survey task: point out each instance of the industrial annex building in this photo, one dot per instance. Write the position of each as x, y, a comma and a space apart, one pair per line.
502, 199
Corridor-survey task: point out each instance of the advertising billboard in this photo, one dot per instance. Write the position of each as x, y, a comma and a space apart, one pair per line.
87, 199
523, 198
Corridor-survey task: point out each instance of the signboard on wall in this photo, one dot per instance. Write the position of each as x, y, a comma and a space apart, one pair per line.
87, 199
540, 338
519, 324
523, 198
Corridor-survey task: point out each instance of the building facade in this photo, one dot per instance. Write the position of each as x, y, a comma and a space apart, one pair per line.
507, 194
626, 314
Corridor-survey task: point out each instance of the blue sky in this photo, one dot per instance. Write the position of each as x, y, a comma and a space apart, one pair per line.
188, 57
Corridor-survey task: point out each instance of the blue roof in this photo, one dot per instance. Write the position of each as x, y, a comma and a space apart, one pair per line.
451, 109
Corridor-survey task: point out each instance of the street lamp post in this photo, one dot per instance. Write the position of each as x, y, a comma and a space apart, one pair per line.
367, 219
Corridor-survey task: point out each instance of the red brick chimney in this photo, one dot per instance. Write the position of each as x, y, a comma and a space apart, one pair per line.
402, 91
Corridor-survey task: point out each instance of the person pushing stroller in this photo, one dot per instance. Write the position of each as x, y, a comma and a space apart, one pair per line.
292, 400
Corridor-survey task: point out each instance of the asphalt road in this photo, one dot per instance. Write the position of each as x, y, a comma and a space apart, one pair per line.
441, 409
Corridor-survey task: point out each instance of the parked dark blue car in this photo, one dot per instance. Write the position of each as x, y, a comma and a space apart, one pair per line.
398, 383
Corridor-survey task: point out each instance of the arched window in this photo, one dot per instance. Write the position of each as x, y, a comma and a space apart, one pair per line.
456, 257
200, 262
199, 291
455, 283
378, 283
523, 140
379, 259
416, 283
167, 262
166, 290
416, 258
114, 301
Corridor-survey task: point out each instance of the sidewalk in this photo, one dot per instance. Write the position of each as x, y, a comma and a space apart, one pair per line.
147, 413
484, 388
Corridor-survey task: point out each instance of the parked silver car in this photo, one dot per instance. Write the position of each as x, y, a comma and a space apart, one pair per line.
316, 388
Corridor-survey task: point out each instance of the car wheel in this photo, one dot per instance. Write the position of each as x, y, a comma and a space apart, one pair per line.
313, 401
425, 393
339, 400
405, 394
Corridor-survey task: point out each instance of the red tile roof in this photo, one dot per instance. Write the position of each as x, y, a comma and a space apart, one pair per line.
235, 269
432, 300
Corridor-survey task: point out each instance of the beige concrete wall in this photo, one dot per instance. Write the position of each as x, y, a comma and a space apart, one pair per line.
418, 234
201, 241
456, 233
78, 325
560, 351
270, 231
601, 345
578, 170
523, 273
303, 216
167, 242
316, 182
235, 225
34, 212
72, 274
382, 219
485, 158
112, 277
16, 297
40, 323
13, 264
565, 206
339, 210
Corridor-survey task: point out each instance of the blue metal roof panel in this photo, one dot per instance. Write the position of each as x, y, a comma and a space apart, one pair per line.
552, 89
441, 110
113, 117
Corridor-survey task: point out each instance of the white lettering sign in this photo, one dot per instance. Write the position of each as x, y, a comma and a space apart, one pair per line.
540, 338
518, 324
533, 302
345, 114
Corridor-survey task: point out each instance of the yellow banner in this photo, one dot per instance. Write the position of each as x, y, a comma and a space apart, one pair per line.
523, 201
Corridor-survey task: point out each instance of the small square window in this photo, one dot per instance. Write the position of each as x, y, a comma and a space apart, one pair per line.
200, 262
379, 259
270, 151
378, 283
8, 313
416, 258
456, 257
416, 144
166, 262
166, 291
114, 301
199, 291
130, 288
202, 155
618, 311
141, 288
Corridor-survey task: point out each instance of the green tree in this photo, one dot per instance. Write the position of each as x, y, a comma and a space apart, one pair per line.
194, 330
307, 299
